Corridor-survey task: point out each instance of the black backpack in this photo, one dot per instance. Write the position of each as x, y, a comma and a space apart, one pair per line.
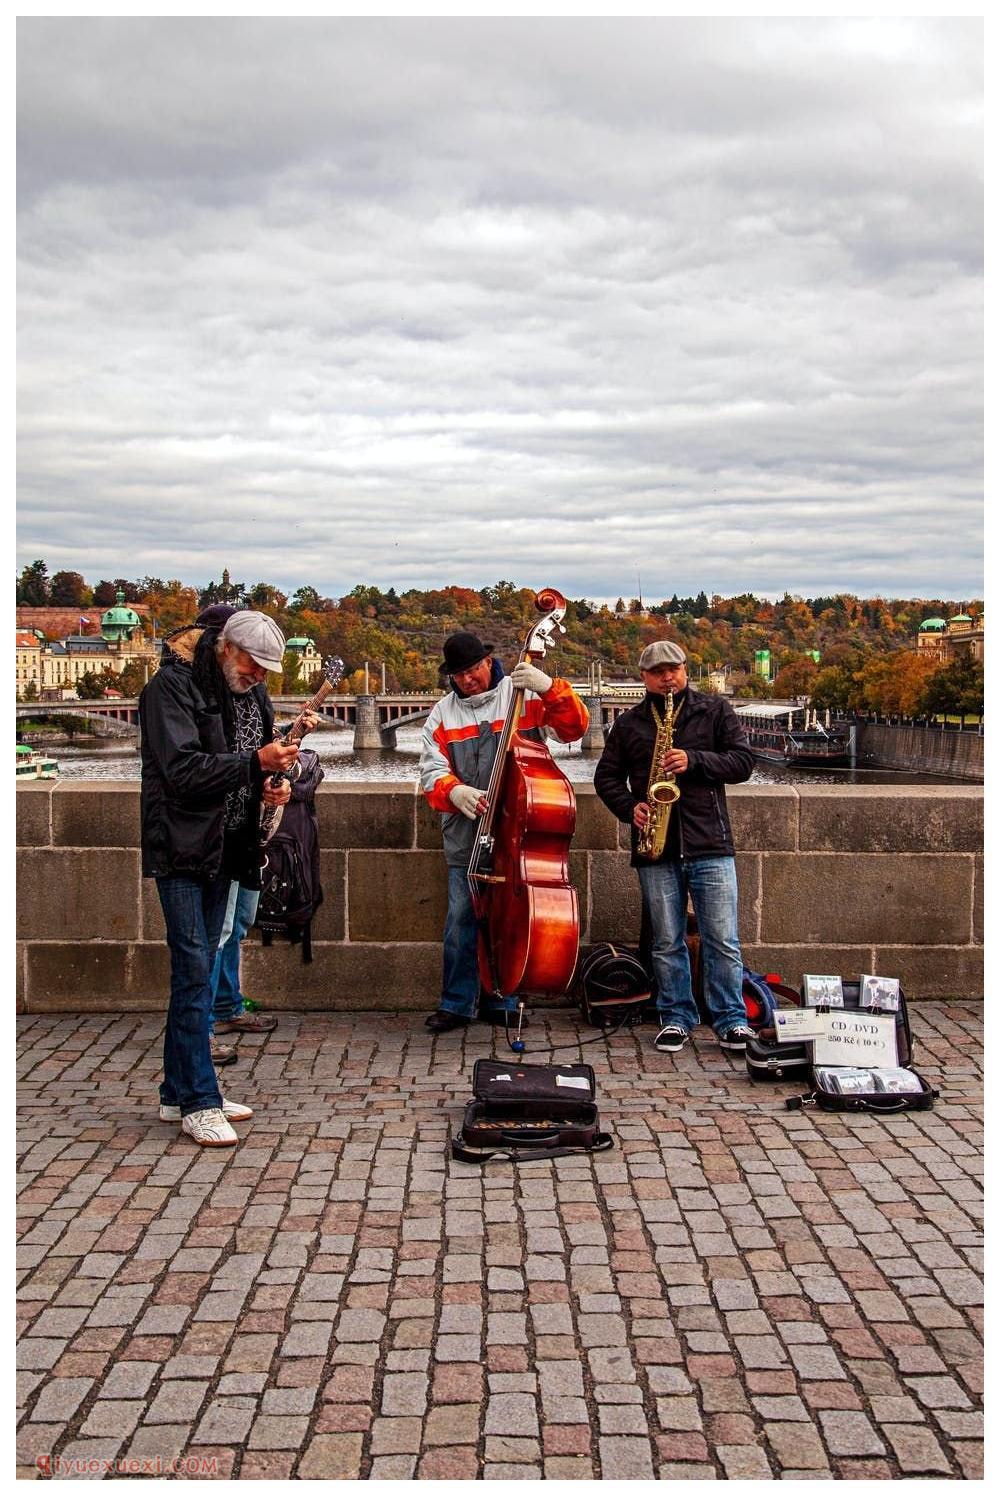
290, 891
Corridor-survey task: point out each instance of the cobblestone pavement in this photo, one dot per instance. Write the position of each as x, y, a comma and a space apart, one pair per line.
736, 1291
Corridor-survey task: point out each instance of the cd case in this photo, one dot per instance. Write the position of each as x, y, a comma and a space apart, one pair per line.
848, 1081
880, 992
822, 992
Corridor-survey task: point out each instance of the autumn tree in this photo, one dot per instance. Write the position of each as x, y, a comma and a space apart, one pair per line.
33, 586
69, 590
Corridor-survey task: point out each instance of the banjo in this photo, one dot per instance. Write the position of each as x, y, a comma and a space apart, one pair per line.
270, 815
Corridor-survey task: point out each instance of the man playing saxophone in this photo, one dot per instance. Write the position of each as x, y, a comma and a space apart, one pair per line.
663, 771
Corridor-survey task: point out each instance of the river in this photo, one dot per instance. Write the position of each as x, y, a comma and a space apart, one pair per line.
117, 760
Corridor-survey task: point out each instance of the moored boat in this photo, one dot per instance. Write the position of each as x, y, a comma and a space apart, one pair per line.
780, 735
34, 765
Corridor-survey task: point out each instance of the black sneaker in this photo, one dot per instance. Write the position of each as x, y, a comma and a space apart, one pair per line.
671, 1038
736, 1038
496, 1017
442, 1022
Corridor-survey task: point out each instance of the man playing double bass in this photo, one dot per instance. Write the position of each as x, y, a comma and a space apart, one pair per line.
457, 754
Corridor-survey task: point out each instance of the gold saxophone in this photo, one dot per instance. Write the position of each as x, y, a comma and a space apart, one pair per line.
662, 791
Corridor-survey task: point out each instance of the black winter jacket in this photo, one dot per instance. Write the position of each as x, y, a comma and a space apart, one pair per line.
188, 769
718, 753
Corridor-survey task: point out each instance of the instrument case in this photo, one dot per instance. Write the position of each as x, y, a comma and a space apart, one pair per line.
767, 1060
522, 1112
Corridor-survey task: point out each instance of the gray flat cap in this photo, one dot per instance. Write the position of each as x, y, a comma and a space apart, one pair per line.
258, 635
662, 652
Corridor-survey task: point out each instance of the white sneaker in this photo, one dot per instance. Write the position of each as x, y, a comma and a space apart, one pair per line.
209, 1128
235, 1111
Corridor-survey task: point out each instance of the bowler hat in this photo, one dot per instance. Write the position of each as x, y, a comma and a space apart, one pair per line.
461, 652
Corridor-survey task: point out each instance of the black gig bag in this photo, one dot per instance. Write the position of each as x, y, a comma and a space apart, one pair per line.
523, 1112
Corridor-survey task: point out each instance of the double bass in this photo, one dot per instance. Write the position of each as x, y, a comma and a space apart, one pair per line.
527, 909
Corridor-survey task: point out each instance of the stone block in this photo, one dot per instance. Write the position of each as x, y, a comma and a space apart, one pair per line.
977, 902
748, 883
350, 978
934, 971
63, 978
98, 814
147, 978
396, 896
20, 964
82, 895
150, 912
329, 921
906, 818
791, 962
366, 814
33, 810
897, 899
428, 825
596, 827
614, 899
764, 817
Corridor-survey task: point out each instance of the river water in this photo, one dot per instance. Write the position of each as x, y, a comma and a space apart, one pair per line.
119, 760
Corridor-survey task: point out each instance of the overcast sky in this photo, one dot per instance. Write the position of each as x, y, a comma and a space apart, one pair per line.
415, 302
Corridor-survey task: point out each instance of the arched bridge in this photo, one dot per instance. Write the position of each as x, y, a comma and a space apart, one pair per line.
373, 719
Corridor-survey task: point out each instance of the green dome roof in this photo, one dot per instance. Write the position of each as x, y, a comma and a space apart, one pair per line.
961, 618
933, 623
119, 620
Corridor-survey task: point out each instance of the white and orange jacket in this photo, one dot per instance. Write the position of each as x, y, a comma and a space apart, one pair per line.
459, 746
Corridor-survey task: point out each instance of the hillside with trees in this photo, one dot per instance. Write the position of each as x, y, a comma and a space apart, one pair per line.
868, 659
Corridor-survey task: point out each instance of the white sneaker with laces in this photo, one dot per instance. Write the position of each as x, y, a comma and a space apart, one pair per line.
671, 1038
209, 1128
235, 1111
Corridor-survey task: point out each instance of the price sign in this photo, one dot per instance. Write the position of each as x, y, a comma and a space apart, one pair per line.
866, 1039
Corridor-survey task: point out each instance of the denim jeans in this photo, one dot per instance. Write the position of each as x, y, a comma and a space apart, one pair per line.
193, 912
241, 910
460, 981
711, 882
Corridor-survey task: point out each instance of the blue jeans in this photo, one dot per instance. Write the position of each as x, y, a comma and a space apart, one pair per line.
241, 910
711, 882
460, 980
193, 912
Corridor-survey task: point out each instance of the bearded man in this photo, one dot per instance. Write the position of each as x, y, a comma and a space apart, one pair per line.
206, 727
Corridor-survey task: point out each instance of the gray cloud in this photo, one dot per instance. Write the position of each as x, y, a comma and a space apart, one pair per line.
427, 301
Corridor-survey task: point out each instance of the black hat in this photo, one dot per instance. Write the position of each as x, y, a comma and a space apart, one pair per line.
461, 652
215, 615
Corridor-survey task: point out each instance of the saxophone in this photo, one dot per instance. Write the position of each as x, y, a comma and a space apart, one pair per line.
662, 791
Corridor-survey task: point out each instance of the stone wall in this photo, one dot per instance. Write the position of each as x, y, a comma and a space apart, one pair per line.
923, 750
833, 879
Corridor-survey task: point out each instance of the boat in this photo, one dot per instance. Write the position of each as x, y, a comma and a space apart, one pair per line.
34, 765
783, 735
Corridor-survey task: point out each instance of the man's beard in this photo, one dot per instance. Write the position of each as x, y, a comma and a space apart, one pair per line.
237, 682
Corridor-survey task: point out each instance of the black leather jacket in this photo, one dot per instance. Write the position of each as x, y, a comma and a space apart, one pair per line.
187, 771
711, 734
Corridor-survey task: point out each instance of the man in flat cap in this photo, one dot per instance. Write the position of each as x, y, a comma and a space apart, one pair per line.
709, 751
456, 758
206, 728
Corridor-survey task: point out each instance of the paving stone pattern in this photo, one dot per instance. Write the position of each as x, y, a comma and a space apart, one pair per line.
736, 1291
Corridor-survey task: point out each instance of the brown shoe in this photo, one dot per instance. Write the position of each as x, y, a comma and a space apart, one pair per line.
247, 1023
223, 1054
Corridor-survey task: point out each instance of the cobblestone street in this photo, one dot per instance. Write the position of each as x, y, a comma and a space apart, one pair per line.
735, 1291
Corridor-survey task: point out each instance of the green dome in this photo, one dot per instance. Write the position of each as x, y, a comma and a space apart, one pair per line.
933, 623
118, 622
961, 618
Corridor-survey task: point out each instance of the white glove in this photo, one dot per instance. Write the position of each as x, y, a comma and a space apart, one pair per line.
525, 677
466, 798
